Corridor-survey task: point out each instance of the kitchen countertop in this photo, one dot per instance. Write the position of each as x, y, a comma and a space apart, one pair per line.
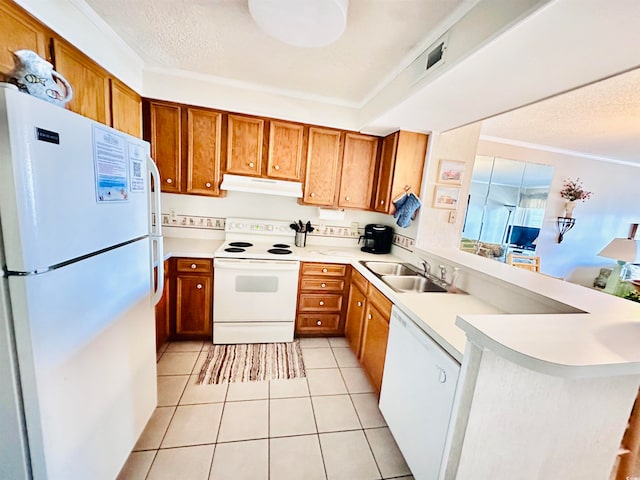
602, 341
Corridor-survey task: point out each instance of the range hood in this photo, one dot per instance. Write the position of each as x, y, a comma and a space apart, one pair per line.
268, 186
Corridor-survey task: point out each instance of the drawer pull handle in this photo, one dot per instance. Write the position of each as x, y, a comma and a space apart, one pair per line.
251, 164
359, 304
169, 180
321, 302
323, 285
199, 286
347, 198
193, 265
381, 202
319, 323
324, 270
312, 195
369, 317
442, 375
277, 167
208, 184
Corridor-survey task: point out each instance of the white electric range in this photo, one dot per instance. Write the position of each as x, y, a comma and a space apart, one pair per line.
255, 282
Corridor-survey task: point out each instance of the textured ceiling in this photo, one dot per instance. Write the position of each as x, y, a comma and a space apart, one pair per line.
219, 38
601, 120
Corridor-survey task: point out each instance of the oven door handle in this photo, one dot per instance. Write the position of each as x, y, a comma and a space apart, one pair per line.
255, 265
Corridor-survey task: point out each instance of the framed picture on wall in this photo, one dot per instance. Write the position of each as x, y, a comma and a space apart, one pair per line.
450, 172
446, 197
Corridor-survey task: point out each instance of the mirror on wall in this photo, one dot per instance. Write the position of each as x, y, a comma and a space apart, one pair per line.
506, 205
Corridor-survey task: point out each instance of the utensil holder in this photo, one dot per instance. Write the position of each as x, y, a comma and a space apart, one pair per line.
301, 239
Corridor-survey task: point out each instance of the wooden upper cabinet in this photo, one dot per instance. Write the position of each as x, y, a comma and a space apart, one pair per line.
358, 171
19, 31
285, 150
204, 129
401, 165
90, 82
126, 109
323, 164
164, 134
245, 137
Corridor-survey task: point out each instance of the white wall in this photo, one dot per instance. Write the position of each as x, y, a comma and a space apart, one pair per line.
434, 229
608, 214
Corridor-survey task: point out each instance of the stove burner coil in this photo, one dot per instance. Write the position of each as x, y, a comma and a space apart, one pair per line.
234, 250
240, 244
279, 251
281, 245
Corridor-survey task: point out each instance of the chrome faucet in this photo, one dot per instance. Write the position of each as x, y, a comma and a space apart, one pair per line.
443, 273
426, 267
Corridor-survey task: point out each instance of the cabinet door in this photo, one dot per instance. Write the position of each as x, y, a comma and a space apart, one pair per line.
409, 164
244, 145
285, 150
323, 162
126, 109
90, 82
385, 173
374, 344
203, 158
166, 143
19, 31
358, 171
355, 318
193, 305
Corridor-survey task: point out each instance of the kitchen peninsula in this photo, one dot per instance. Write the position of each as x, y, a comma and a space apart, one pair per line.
549, 369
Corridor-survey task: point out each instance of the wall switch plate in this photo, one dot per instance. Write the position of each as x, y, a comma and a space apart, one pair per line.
452, 216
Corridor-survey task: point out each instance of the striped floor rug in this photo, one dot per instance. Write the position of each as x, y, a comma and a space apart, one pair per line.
252, 362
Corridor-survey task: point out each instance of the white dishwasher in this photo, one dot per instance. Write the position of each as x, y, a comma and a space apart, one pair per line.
418, 389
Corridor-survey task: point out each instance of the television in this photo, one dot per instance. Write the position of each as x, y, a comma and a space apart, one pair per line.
523, 237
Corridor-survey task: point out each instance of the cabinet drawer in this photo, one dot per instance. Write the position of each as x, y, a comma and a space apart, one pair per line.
318, 302
328, 284
324, 269
318, 323
194, 265
359, 281
381, 302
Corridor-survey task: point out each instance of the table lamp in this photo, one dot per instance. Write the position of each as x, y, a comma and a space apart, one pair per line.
623, 250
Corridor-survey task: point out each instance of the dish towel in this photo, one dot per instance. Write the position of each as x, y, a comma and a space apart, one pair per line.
406, 207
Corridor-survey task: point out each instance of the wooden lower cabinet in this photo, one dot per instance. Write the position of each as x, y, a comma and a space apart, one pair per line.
322, 295
367, 327
190, 317
355, 312
374, 344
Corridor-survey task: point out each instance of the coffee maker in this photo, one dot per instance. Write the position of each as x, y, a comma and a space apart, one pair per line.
376, 238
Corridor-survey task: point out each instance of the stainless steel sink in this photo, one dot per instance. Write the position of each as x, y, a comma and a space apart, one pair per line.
415, 284
390, 268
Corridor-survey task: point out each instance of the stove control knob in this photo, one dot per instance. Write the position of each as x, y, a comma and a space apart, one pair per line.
194, 266
269, 228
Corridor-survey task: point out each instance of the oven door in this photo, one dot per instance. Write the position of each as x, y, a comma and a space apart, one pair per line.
254, 297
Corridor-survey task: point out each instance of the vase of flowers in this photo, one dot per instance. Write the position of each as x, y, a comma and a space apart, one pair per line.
572, 191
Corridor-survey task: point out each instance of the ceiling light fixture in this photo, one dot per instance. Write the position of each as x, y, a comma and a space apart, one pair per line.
301, 23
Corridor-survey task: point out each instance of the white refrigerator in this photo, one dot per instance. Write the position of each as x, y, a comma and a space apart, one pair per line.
77, 328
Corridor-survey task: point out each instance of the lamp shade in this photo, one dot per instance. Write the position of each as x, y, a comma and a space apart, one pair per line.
301, 23
624, 249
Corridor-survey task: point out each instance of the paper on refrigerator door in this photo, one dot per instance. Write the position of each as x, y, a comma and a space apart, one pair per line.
112, 182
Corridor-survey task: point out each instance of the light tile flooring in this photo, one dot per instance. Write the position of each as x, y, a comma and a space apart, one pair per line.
326, 426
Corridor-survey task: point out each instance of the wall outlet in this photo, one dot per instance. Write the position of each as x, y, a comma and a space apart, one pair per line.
452, 216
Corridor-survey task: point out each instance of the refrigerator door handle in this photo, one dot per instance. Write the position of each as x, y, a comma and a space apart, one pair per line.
159, 289
155, 230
